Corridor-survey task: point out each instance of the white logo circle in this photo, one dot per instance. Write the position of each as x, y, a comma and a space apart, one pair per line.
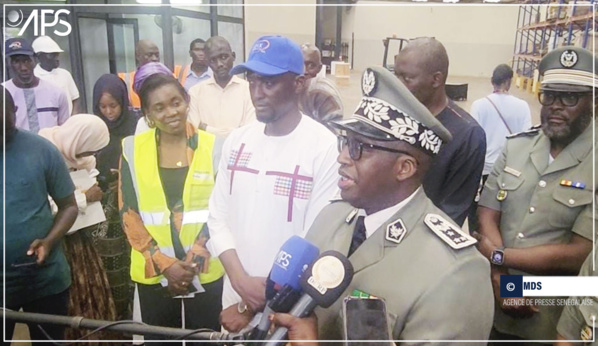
569, 58
15, 18
328, 271
510, 287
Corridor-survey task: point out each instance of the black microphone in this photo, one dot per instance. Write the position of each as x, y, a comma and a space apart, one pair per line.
283, 284
323, 283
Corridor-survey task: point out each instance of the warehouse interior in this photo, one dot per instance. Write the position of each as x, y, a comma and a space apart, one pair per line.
351, 34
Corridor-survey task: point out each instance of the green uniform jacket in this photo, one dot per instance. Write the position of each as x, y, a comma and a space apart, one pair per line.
538, 210
432, 291
577, 320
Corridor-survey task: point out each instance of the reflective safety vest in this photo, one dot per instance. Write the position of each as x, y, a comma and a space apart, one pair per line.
182, 73
141, 153
129, 79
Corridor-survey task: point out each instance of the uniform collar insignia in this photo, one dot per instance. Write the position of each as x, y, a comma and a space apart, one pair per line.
395, 231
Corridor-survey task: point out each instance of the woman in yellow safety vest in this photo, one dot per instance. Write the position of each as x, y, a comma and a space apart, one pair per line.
165, 183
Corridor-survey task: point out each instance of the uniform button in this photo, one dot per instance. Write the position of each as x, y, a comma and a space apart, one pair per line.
571, 201
503, 184
520, 235
542, 183
531, 210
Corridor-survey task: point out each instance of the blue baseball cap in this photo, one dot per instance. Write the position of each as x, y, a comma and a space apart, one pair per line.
18, 46
271, 56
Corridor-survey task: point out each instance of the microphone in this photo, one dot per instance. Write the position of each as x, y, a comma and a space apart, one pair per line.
323, 283
283, 284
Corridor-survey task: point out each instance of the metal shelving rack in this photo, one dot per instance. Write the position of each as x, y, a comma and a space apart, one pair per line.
533, 35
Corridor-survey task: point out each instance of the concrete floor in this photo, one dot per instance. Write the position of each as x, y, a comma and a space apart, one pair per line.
350, 89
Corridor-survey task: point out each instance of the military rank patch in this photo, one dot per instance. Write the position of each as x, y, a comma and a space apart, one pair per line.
451, 234
587, 333
351, 216
574, 184
396, 231
534, 130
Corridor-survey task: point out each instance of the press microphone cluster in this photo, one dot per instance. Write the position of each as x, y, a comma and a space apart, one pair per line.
298, 282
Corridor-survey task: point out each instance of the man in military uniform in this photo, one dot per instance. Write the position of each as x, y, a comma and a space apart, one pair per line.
402, 247
535, 212
578, 321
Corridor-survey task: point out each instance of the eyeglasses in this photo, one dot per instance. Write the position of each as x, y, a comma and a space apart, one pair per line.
568, 99
356, 147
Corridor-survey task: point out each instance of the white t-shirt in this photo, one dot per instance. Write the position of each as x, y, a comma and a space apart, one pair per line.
63, 79
515, 112
222, 109
250, 207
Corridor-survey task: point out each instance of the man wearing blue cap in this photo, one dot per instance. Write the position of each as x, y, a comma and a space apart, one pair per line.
40, 103
536, 213
275, 176
403, 248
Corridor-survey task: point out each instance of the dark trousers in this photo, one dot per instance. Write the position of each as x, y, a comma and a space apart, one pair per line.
56, 304
201, 311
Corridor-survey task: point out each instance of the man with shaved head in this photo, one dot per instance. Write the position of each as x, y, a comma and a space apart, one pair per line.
222, 102
145, 51
319, 99
453, 179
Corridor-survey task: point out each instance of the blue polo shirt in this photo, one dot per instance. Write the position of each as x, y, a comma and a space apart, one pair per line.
34, 169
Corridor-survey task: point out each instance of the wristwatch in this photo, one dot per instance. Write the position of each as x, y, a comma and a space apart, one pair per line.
241, 307
498, 256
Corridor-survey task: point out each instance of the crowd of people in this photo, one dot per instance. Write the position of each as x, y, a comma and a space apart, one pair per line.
202, 173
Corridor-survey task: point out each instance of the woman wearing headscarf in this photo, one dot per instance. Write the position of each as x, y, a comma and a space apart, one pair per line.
78, 140
111, 105
167, 177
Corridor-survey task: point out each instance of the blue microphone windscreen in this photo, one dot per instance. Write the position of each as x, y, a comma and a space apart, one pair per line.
295, 255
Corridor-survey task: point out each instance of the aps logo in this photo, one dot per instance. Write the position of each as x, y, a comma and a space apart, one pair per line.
38, 17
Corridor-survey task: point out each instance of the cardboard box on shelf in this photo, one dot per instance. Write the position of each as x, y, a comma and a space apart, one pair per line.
581, 8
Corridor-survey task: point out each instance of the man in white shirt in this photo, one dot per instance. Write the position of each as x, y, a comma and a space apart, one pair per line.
47, 51
221, 103
274, 178
500, 115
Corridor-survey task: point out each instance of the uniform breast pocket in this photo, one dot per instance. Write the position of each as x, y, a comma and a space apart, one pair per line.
567, 204
507, 183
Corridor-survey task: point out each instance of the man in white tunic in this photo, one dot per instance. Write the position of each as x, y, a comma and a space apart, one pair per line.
275, 176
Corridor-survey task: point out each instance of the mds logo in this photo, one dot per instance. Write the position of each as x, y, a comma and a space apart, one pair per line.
38, 18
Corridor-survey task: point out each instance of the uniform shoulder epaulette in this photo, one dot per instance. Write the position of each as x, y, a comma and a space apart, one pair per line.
534, 130
447, 231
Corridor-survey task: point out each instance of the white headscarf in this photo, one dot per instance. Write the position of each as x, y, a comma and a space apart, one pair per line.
79, 134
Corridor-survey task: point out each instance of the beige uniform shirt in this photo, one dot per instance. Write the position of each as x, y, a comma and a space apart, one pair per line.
537, 209
432, 291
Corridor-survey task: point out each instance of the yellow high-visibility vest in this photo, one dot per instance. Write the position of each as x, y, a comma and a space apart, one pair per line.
141, 153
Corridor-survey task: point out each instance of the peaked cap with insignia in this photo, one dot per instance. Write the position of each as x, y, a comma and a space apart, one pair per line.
568, 68
388, 111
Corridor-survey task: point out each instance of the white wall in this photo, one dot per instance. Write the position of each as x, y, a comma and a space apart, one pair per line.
477, 38
296, 22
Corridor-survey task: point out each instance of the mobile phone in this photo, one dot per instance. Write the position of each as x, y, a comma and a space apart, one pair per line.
365, 319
